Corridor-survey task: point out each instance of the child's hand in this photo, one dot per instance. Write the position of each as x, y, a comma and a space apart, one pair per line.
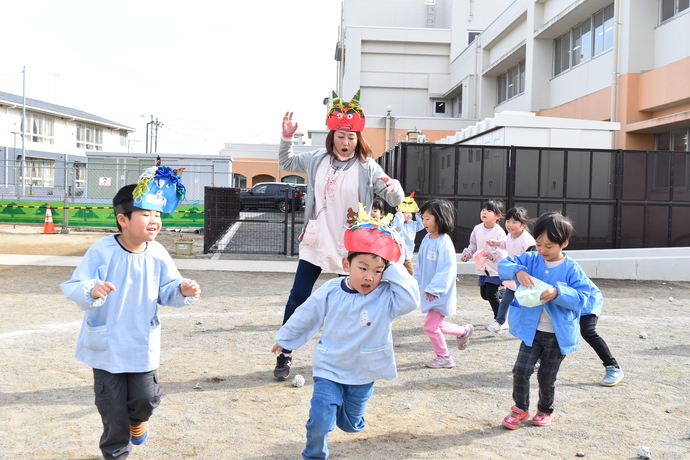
464, 257
548, 294
493, 243
524, 279
276, 349
430, 297
190, 288
101, 290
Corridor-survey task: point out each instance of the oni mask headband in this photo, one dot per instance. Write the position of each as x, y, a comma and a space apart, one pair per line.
373, 236
408, 204
346, 116
159, 189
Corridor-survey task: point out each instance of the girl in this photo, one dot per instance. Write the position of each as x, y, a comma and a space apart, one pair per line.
341, 176
518, 242
488, 283
436, 274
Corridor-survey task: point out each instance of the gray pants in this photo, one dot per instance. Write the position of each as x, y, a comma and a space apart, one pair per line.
123, 400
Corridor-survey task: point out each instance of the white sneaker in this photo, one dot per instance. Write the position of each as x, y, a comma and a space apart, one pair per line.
494, 327
440, 362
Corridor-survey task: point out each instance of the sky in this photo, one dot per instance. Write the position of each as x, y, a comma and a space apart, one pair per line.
211, 72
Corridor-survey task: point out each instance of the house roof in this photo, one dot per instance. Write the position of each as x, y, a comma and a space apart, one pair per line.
59, 110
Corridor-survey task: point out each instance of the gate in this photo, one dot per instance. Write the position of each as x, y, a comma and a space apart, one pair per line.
229, 230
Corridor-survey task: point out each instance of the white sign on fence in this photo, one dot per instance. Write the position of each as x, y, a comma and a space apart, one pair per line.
104, 181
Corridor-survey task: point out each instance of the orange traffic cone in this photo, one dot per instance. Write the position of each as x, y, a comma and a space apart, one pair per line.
48, 226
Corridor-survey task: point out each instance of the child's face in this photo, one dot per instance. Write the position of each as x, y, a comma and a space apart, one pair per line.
407, 216
550, 251
489, 218
376, 213
515, 227
429, 223
143, 226
366, 271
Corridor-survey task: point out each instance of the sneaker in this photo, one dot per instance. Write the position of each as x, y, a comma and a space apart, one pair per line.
515, 418
613, 376
494, 327
542, 419
139, 433
537, 365
282, 369
463, 340
440, 362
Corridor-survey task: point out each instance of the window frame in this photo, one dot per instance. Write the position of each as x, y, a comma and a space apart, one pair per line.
45, 172
89, 137
511, 83
678, 7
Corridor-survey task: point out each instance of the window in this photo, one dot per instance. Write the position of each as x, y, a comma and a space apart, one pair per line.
123, 138
39, 172
89, 137
676, 141
456, 105
587, 39
440, 108
39, 128
671, 8
471, 35
79, 175
511, 83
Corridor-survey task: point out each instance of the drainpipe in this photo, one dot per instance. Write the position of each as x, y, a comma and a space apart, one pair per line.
614, 82
476, 77
388, 128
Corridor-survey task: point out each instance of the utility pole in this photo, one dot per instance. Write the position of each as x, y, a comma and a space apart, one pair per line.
152, 139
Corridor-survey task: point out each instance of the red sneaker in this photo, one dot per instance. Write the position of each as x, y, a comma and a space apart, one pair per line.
542, 419
515, 418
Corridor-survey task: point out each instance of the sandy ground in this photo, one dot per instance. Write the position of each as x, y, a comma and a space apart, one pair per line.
221, 400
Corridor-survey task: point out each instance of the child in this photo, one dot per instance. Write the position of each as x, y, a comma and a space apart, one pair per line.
488, 282
356, 345
408, 228
588, 323
377, 208
436, 274
518, 241
119, 284
550, 331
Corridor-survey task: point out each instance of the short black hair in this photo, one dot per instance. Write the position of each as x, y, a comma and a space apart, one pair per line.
495, 206
122, 196
443, 211
519, 214
352, 254
557, 227
378, 204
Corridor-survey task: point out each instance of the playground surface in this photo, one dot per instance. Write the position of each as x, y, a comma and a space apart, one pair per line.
221, 401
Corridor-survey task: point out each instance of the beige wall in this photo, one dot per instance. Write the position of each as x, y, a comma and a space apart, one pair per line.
376, 137
261, 170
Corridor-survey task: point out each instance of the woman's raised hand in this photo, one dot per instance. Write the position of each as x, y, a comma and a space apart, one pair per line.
289, 126
391, 184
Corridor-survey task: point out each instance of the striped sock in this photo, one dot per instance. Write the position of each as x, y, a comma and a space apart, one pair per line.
139, 433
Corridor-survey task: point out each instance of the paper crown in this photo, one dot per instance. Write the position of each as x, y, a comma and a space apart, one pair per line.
159, 189
373, 236
408, 204
346, 116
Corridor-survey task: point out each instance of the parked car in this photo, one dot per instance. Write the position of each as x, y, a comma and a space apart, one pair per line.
303, 190
271, 195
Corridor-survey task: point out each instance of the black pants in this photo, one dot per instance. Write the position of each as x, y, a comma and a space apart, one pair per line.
123, 400
588, 324
489, 292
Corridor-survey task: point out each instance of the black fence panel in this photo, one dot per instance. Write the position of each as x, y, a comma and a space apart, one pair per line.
615, 198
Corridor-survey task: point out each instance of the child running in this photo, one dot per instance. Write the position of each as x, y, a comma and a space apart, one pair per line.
488, 282
550, 330
518, 241
408, 228
588, 324
436, 274
356, 346
119, 284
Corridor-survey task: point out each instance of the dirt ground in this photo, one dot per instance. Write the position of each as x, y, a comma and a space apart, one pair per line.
221, 400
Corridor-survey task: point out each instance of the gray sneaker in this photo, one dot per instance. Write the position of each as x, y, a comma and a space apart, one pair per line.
440, 362
613, 376
463, 340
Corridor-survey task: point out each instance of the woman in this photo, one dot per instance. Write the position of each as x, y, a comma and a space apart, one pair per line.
340, 176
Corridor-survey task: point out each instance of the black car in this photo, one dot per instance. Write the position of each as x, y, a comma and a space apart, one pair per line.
271, 195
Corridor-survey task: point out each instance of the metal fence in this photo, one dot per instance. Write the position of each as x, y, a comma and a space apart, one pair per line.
229, 230
616, 198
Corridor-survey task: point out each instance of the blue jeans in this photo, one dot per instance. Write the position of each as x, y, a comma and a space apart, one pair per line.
508, 296
334, 404
305, 278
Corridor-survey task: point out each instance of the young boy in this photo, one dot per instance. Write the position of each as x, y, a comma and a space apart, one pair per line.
119, 284
408, 228
356, 346
550, 331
